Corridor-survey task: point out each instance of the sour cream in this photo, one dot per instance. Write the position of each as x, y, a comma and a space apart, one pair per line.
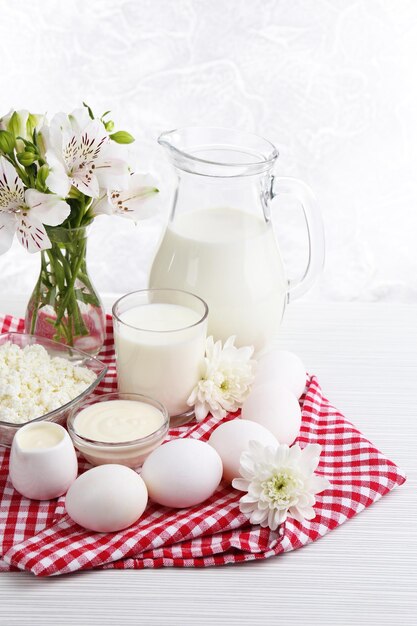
119, 430
117, 421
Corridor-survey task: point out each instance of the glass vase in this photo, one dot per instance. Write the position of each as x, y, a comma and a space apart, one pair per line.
64, 306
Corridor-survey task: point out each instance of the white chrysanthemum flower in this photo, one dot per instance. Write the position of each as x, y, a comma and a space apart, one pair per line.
279, 482
226, 381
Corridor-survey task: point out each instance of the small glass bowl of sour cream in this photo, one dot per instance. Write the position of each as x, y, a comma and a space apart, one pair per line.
120, 428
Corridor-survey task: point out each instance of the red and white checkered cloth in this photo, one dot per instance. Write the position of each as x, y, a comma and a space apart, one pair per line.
39, 536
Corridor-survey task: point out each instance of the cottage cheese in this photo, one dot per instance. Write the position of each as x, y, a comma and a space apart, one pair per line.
32, 383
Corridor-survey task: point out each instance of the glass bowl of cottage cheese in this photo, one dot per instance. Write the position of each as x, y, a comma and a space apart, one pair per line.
41, 379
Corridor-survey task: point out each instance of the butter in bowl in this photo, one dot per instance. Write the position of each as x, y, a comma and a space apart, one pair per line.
121, 428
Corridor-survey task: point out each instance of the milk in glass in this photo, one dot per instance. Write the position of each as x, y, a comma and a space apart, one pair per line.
160, 352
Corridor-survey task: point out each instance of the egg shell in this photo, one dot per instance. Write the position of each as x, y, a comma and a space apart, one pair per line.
182, 473
277, 409
282, 368
107, 498
232, 438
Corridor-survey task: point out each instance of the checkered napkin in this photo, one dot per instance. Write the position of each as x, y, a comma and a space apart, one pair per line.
40, 537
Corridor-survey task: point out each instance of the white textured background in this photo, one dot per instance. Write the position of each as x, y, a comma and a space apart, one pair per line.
332, 82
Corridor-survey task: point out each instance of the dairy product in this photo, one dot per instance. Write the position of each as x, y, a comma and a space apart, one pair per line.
116, 421
160, 352
33, 384
118, 429
43, 463
41, 436
230, 259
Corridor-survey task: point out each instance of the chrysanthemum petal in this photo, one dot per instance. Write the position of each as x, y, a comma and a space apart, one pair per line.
301, 514
258, 516
248, 499
240, 484
310, 457
317, 483
201, 411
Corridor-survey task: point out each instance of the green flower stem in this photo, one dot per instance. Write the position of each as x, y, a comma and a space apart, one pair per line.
63, 283
36, 296
69, 301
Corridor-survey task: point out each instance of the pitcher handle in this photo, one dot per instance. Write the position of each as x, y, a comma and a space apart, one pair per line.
315, 232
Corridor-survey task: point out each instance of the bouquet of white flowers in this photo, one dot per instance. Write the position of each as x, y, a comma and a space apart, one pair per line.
55, 178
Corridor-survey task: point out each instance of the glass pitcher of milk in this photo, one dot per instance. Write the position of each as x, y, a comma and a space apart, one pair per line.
219, 242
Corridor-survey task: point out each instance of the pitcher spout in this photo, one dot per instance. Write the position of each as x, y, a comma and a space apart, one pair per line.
218, 152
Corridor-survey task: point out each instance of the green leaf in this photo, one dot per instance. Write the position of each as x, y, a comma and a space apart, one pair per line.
59, 276
87, 298
90, 112
104, 114
7, 142
122, 136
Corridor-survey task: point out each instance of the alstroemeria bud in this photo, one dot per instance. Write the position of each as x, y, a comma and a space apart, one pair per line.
40, 140
17, 123
34, 122
7, 142
41, 177
109, 126
29, 147
122, 136
27, 158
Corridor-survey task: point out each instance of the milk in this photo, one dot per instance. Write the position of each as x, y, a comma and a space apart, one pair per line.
160, 353
229, 258
42, 435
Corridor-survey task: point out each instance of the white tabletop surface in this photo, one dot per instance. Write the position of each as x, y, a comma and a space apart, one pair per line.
363, 573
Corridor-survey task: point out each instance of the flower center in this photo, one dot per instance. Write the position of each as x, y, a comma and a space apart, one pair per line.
280, 487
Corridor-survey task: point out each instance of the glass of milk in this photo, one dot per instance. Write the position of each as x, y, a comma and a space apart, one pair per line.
160, 337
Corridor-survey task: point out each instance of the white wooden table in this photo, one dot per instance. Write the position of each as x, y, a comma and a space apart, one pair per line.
363, 573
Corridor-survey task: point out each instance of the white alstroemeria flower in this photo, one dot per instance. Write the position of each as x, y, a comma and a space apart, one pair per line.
79, 152
25, 211
226, 381
279, 482
136, 202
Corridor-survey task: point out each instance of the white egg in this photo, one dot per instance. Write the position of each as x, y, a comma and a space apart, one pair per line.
282, 368
107, 498
182, 473
232, 438
277, 409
